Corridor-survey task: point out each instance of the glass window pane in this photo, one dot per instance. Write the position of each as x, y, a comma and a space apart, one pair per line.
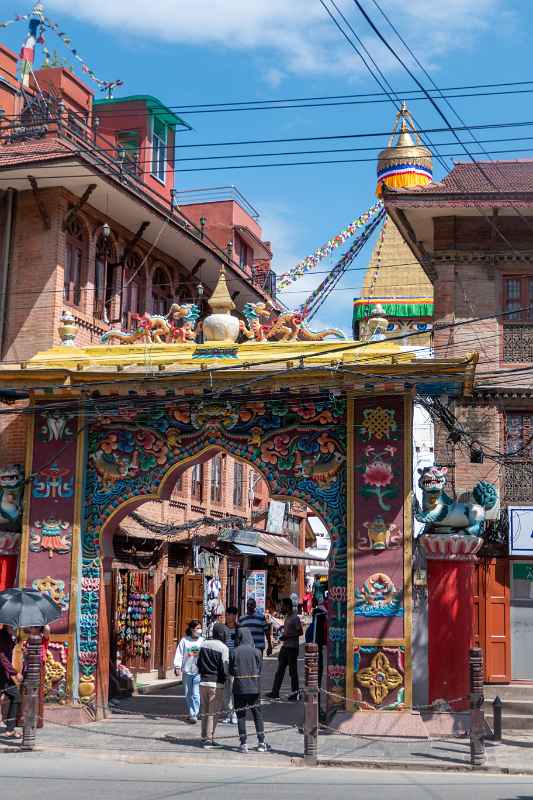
512, 297
514, 433
530, 298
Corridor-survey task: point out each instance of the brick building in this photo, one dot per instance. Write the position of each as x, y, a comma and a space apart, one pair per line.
472, 233
92, 223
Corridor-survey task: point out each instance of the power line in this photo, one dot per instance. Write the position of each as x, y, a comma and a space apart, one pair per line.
328, 137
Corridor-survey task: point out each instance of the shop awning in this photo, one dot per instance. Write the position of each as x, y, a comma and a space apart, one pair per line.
270, 544
248, 550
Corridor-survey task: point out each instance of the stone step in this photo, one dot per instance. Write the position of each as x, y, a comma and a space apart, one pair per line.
520, 707
512, 691
513, 722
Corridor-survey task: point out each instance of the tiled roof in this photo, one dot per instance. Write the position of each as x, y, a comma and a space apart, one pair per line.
35, 150
483, 177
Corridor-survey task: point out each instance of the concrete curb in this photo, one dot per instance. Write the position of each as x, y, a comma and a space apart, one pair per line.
267, 760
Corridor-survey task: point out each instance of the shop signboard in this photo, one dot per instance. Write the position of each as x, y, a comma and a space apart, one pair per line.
276, 516
256, 583
520, 530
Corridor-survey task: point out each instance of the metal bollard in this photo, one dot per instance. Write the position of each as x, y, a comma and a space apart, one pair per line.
30, 690
311, 706
477, 716
497, 708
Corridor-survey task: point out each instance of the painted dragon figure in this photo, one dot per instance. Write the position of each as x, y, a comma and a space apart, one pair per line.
156, 328
265, 324
442, 514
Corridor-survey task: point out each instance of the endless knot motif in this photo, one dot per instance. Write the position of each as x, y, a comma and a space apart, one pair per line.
379, 423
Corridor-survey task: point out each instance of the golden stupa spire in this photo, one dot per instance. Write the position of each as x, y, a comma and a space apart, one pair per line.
220, 301
405, 162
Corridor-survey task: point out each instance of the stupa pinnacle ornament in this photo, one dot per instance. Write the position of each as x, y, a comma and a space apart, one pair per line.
220, 325
405, 162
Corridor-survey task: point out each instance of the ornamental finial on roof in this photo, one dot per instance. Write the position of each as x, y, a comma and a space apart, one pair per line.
405, 162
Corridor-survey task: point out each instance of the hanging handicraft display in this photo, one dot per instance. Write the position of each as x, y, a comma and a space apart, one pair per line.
134, 611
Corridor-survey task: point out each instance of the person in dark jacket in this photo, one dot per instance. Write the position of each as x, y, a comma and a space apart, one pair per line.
213, 664
10, 681
245, 666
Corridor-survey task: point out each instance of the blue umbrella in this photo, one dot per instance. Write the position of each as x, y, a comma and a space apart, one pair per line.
27, 608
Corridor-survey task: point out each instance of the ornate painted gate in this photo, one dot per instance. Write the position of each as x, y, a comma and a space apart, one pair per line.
347, 459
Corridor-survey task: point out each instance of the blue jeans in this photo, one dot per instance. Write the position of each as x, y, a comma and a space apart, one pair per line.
191, 684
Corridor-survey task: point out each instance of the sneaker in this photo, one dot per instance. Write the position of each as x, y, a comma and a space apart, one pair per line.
206, 744
243, 748
226, 721
294, 697
233, 719
263, 747
272, 696
192, 720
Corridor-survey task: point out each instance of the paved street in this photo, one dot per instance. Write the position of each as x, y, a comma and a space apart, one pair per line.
25, 777
148, 729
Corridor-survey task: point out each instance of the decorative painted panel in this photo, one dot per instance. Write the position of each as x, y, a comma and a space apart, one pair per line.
298, 445
379, 677
379, 502
51, 514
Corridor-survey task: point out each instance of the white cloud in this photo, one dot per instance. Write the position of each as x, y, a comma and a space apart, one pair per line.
298, 32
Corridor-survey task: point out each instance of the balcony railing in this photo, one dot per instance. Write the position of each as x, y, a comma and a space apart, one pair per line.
518, 482
189, 197
518, 342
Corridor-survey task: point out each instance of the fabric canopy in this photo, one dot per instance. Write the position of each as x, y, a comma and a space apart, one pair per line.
271, 544
394, 307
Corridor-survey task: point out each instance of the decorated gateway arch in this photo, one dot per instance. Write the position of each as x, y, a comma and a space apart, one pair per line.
327, 423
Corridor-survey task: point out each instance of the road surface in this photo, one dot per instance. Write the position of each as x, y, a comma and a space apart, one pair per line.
26, 776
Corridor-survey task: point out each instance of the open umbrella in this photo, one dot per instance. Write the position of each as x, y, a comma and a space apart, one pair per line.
26, 608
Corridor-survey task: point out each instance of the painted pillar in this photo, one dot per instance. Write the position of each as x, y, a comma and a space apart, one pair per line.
451, 563
379, 556
50, 549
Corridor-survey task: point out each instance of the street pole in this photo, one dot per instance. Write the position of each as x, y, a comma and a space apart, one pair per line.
311, 706
30, 689
477, 716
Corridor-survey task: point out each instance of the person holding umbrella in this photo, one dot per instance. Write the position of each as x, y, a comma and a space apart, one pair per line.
27, 608
10, 681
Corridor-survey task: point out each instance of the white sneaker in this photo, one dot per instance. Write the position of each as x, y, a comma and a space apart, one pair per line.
243, 748
263, 747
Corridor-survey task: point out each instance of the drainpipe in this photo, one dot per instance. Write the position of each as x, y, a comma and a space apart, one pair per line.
4, 264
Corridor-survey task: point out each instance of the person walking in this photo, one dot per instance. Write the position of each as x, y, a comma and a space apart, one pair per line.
258, 627
10, 681
288, 655
231, 632
213, 663
245, 666
186, 667
317, 633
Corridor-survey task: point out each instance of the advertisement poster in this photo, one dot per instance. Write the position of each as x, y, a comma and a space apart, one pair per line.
256, 587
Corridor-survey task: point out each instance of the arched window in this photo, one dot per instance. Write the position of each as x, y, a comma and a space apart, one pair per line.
132, 289
75, 253
161, 292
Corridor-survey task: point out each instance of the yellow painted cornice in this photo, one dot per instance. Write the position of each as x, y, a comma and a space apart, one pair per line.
70, 369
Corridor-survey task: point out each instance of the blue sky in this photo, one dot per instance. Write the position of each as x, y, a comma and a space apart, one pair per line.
230, 50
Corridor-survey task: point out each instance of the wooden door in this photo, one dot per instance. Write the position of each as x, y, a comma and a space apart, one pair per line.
492, 618
192, 600
498, 622
171, 619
